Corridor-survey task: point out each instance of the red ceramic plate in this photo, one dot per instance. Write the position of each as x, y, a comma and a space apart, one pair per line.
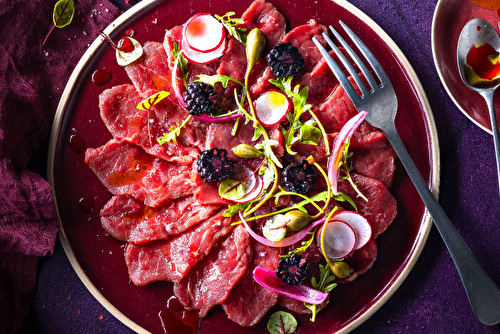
98, 258
449, 19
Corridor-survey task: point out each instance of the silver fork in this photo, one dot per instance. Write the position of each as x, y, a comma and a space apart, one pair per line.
381, 103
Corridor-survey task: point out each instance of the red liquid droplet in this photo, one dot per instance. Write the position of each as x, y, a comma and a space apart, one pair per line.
76, 143
86, 205
173, 325
125, 45
100, 77
173, 304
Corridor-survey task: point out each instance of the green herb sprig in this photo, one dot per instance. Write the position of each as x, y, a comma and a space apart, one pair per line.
230, 24
324, 285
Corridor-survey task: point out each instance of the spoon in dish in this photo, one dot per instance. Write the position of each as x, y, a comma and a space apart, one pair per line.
479, 67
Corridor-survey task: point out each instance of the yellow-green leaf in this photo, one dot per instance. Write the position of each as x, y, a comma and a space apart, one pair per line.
63, 13
152, 100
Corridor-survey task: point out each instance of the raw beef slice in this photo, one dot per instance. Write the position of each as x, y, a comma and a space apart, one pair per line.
209, 282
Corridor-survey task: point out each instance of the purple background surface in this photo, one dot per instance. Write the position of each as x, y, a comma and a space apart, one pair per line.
432, 299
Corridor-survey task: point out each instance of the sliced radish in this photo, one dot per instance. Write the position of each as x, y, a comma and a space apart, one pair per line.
338, 148
271, 107
268, 279
203, 33
275, 228
242, 176
254, 193
337, 238
198, 57
359, 224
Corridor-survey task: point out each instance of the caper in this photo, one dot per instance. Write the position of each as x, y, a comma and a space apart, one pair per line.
246, 151
340, 269
256, 44
297, 220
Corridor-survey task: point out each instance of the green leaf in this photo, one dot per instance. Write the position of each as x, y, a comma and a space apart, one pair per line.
213, 79
310, 135
175, 131
230, 24
63, 13
301, 249
281, 323
266, 146
152, 100
181, 64
235, 208
323, 285
231, 189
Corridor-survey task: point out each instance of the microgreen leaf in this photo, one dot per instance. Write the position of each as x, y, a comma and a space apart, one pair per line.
152, 100
305, 245
64, 11
323, 285
231, 189
230, 24
182, 63
310, 135
175, 131
281, 323
213, 79
266, 145
235, 208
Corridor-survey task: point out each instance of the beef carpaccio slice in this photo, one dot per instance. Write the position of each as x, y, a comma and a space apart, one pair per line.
124, 121
248, 302
268, 19
381, 208
125, 169
171, 259
128, 219
211, 280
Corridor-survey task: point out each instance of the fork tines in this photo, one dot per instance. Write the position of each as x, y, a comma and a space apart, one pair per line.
344, 81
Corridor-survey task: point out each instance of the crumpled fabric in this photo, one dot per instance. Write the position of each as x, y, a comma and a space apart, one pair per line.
32, 79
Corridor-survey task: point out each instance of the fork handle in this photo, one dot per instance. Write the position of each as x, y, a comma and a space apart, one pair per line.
483, 293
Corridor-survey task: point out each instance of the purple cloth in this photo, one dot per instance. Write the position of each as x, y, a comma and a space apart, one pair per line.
432, 299
32, 78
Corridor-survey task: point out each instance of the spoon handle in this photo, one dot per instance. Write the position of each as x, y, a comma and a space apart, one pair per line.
494, 129
483, 294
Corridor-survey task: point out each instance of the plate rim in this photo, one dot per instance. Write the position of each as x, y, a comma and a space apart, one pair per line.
434, 159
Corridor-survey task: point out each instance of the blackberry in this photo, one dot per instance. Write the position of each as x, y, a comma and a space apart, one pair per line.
200, 98
292, 270
214, 165
299, 177
284, 60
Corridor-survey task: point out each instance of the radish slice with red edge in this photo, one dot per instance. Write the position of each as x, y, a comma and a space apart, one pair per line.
178, 95
203, 33
202, 57
268, 279
253, 185
338, 148
291, 240
359, 224
271, 107
337, 238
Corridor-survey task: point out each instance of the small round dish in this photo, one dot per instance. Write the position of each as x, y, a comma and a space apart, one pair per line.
98, 258
449, 18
